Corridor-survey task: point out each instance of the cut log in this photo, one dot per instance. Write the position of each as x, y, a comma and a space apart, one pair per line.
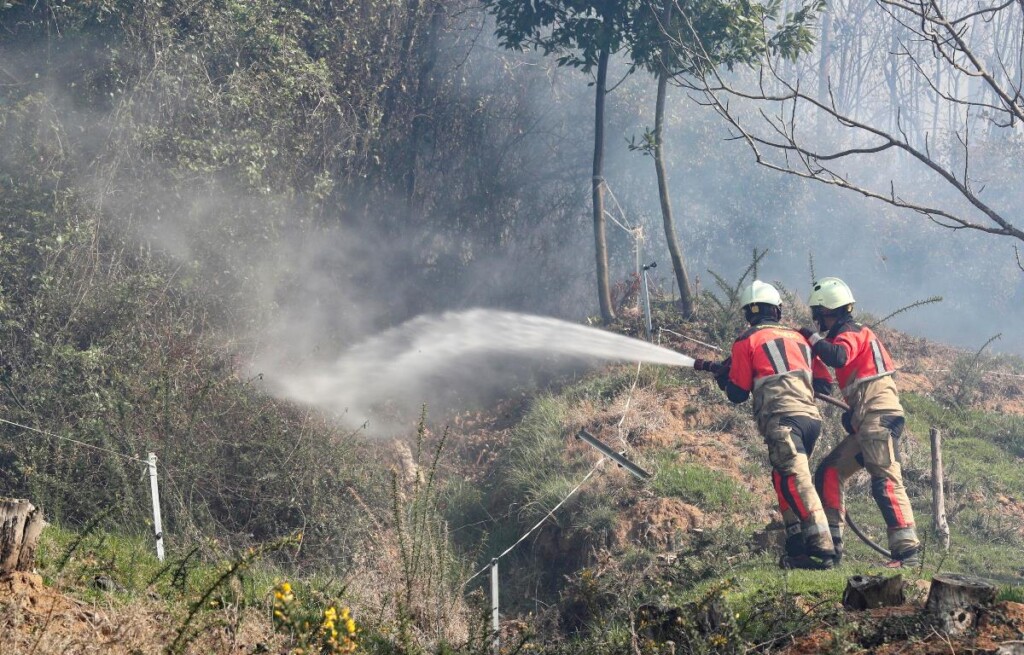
956, 599
870, 591
20, 525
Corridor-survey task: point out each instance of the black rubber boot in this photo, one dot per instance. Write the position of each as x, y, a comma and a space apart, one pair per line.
806, 562
837, 543
908, 559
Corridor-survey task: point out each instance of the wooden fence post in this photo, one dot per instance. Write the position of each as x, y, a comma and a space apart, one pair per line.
938, 490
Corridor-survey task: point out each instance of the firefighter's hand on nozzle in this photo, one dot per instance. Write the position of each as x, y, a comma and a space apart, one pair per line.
704, 365
807, 333
823, 386
711, 366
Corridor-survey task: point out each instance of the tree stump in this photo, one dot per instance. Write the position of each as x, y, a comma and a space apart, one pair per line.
870, 591
955, 600
20, 525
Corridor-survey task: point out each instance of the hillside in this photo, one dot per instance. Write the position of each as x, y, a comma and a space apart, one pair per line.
225, 226
695, 533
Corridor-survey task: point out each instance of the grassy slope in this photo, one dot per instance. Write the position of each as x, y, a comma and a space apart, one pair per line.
590, 539
983, 450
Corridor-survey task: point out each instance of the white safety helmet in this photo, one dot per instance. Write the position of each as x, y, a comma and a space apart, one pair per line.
831, 293
760, 292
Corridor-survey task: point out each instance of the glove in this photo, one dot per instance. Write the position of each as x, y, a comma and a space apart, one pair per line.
721, 372
705, 365
822, 386
807, 332
847, 419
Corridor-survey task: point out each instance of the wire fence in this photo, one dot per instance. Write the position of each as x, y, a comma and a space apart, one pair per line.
150, 471
74, 441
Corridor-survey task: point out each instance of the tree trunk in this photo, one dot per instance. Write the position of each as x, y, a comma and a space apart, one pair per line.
871, 591
20, 525
427, 57
674, 250
955, 600
604, 295
938, 490
824, 61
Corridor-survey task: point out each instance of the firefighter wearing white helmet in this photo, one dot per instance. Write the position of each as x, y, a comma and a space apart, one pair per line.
831, 293
874, 423
774, 364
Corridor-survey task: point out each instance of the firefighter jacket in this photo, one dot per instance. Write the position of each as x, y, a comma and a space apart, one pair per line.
863, 367
774, 363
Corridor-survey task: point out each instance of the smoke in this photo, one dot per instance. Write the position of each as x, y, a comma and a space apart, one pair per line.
340, 302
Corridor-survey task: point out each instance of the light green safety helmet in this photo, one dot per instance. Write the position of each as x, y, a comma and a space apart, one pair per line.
831, 293
760, 292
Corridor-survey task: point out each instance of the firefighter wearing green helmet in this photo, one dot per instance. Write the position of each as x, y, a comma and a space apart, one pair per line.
773, 363
874, 422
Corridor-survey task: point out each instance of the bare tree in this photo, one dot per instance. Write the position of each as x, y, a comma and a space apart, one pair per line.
944, 90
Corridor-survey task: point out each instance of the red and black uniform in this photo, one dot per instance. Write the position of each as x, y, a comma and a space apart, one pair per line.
774, 364
875, 421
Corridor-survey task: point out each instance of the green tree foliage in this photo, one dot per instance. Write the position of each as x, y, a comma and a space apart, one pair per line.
696, 37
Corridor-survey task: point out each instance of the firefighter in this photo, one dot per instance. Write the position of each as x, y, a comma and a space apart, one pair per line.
874, 422
774, 363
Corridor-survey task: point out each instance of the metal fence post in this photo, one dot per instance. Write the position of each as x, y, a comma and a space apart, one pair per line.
647, 302
158, 530
495, 622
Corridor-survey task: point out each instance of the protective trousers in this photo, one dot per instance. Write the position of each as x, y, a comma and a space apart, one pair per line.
790, 441
871, 446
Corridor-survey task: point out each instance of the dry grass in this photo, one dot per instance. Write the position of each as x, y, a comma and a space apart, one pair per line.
40, 620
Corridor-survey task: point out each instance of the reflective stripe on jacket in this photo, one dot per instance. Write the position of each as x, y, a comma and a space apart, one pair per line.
774, 362
866, 357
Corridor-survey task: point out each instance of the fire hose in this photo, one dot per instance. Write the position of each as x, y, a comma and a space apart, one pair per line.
849, 520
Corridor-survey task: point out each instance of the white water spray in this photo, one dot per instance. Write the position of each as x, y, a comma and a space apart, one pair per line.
454, 356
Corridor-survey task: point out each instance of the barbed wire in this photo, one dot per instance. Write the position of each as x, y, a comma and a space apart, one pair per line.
697, 341
572, 492
75, 441
539, 523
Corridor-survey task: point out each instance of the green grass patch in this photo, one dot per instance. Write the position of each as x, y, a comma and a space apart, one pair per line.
982, 450
1012, 593
102, 565
697, 484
